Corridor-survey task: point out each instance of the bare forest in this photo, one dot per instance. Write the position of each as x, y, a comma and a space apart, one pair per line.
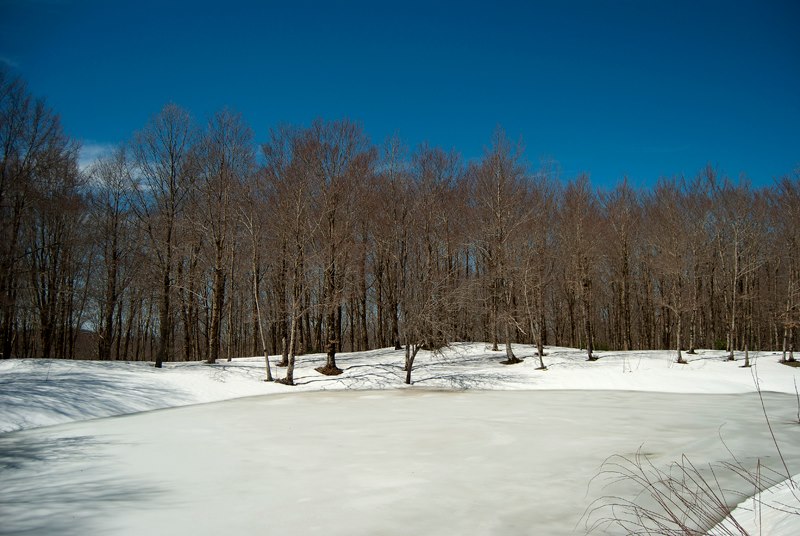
198, 242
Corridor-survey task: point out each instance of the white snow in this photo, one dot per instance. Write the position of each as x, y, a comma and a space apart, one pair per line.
398, 461
773, 511
37, 392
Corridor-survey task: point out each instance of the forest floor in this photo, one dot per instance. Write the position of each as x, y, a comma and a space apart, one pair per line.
43, 393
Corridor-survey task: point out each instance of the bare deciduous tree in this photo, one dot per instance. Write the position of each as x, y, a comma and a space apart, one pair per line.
540, 256
339, 158
578, 224
224, 161
738, 213
161, 186
500, 201
110, 220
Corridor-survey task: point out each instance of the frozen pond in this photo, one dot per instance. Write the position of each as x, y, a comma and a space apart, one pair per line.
366, 462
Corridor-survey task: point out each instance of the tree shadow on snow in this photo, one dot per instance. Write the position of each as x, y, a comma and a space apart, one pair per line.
55, 485
83, 394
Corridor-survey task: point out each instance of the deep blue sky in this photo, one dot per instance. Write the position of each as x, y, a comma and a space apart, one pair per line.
643, 88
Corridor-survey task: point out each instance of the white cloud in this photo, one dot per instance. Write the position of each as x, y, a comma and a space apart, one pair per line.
91, 152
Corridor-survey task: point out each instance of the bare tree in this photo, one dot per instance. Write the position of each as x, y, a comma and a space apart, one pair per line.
669, 216
786, 213
224, 160
161, 186
428, 292
175, 248
738, 213
540, 255
37, 167
110, 220
291, 185
393, 187
339, 158
500, 202
53, 237
253, 212
623, 213
578, 223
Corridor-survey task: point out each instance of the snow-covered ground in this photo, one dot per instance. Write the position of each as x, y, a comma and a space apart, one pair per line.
422, 460
773, 511
45, 392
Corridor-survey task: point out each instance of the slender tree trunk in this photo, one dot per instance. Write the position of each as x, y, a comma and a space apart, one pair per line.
363, 317
282, 288
333, 322
586, 285
218, 293
353, 313
109, 304
748, 321
693, 317
734, 292
541, 327
258, 319
379, 328
411, 354
571, 317
510, 357
230, 276
493, 320
164, 320
787, 317
626, 304
395, 306
289, 379
678, 301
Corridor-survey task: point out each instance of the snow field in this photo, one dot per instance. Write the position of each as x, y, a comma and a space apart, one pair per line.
45, 392
473, 447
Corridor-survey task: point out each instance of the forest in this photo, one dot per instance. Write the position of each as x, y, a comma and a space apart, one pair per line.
196, 242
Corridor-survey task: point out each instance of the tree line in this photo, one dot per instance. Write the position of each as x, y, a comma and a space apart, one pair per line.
195, 242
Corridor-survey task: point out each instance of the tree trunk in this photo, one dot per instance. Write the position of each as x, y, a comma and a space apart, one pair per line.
541, 327
626, 305
586, 286
109, 304
258, 319
732, 325
164, 320
787, 314
748, 321
411, 354
379, 331
511, 359
289, 379
693, 317
218, 293
678, 339
493, 321
396, 323
330, 368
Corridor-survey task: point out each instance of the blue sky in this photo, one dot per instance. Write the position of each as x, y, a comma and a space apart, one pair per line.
611, 88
